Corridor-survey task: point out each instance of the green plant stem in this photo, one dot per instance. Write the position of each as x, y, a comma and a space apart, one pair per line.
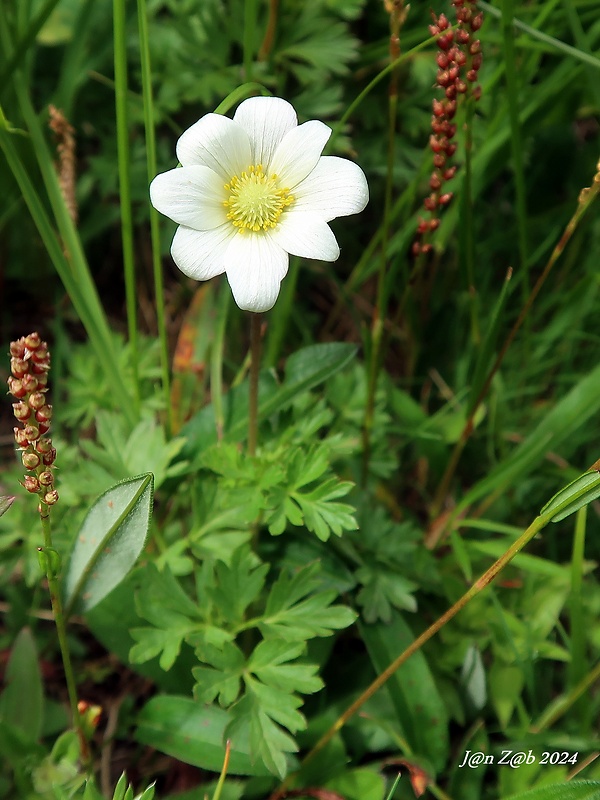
216, 358
120, 62
586, 198
267, 43
255, 325
59, 620
467, 228
577, 664
480, 584
154, 219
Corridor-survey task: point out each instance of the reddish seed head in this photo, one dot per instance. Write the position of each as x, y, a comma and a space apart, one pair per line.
46, 478
439, 160
32, 341
451, 92
43, 445
477, 22
51, 497
15, 387
30, 460
31, 432
475, 47
434, 224
430, 202
427, 248
476, 61
445, 198
44, 414
18, 367
462, 36
442, 22
49, 458
435, 182
21, 411
29, 382
449, 173
37, 400
472, 75
17, 349
20, 437
31, 483
44, 427
450, 150
438, 111
442, 60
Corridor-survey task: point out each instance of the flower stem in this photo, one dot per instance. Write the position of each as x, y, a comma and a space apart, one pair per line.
254, 369
59, 619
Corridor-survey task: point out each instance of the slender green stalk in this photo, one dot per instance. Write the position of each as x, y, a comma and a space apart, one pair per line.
467, 232
49, 558
216, 358
481, 583
577, 665
154, 219
255, 325
249, 37
120, 61
515, 140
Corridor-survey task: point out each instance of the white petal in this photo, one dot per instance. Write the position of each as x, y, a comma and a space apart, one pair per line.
299, 152
255, 267
201, 254
216, 142
266, 120
191, 196
306, 235
335, 188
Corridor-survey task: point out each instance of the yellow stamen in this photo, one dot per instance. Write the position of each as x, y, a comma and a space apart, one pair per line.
255, 202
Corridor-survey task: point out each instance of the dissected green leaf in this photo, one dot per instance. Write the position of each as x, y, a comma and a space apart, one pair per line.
110, 540
295, 613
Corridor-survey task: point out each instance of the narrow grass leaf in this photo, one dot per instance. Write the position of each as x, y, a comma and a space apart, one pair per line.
22, 701
577, 494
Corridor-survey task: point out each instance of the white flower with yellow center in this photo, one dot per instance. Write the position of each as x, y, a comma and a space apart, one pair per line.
251, 190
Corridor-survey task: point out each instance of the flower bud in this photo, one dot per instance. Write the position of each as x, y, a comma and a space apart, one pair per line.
46, 478
44, 427
20, 437
17, 349
21, 411
30, 382
30, 460
43, 445
37, 400
15, 387
33, 341
18, 367
31, 483
51, 497
44, 414
31, 432
49, 458
42, 378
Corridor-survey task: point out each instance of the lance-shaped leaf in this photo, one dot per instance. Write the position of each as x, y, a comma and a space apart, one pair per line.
577, 494
6, 502
110, 540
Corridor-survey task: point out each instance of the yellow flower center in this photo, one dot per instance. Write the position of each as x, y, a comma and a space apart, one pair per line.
255, 201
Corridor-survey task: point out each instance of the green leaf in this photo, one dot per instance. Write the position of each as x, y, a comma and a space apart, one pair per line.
237, 585
21, 703
268, 742
294, 613
420, 710
381, 590
575, 790
358, 784
223, 680
110, 540
194, 734
269, 663
574, 496
162, 602
6, 502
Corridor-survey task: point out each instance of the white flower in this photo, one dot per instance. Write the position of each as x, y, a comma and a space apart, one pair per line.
251, 190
